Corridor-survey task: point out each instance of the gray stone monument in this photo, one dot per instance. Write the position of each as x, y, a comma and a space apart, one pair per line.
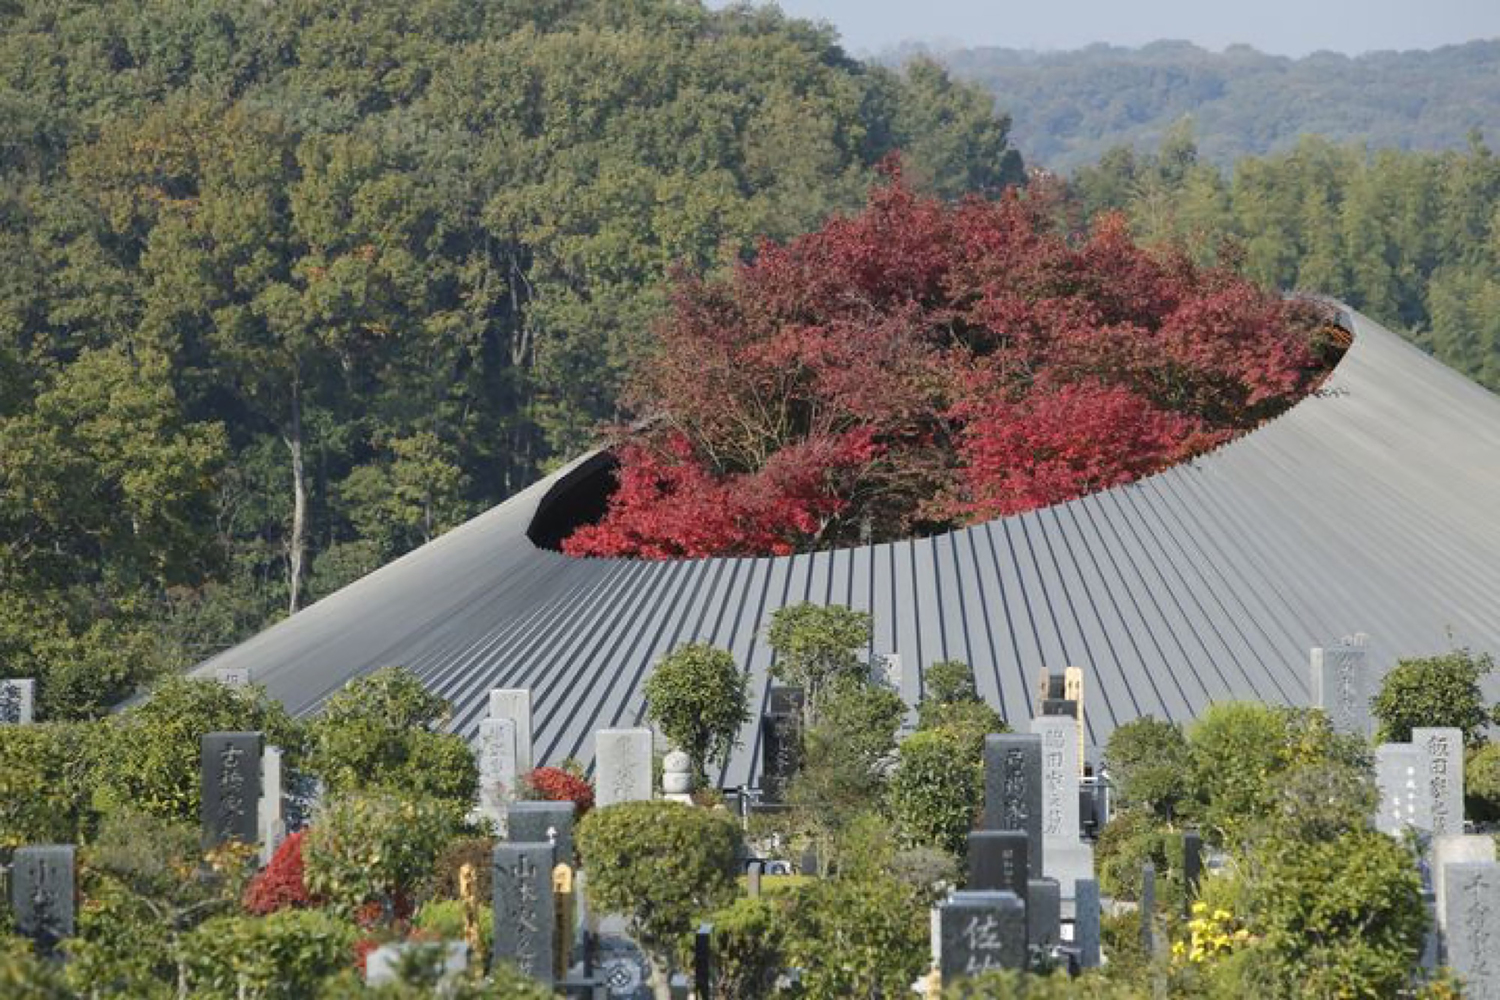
780, 741
231, 777
1454, 849
1086, 922
271, 816
1341, 685
233, 676
515, 703
1445, 777
1148, 908
1013, 788
43, 893
1401, 779
17, 701
1043, 915
1472, 902
524, 914
448, 959
543, 823
1065, 856
978, 931
496, 755
622, 766
1192, 864
998, 862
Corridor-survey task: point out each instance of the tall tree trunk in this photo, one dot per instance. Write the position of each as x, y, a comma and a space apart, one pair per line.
297, 543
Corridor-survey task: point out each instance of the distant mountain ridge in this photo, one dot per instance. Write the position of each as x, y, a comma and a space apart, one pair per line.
1069, 107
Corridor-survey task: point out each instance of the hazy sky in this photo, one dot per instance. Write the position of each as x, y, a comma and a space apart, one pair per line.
1284, 27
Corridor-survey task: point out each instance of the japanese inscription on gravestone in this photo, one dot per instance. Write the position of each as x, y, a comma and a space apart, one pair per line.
979, 931
498, 766
1013, 788
622, 765
42, 893
998, 861
1473, 926
231, 787
17, 698
1341, 685
1445, 776
515, 703
523, 908
1400, 777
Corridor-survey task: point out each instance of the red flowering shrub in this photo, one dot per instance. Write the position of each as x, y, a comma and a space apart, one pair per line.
280, 886
920, 365
553, 784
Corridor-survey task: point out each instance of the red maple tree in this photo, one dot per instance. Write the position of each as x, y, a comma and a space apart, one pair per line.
922, 365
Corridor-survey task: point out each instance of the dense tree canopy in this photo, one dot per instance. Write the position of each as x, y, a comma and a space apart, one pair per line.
289, 288
923, 364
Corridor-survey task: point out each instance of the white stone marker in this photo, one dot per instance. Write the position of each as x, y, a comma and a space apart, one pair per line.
272, 820
1401, 778
622, 766
496, 754
1064, 855
1444, 779
1341, 685
1455, 849
515, 703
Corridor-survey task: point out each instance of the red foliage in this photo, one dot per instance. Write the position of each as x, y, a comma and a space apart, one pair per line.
280, 886
556, 785
919, 365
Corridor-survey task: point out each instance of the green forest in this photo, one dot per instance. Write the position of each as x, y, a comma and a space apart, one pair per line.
1070, 107
288, 289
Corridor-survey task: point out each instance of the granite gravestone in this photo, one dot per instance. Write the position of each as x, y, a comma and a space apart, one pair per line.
1473, 926
1086, 922
543, 823
1148, 908
496, 757
231, 777
1043, 915
1065, 856
1192, 863
523, 908
43, 893
1454, 849
978, 931
17, 701
1013, 789
622, 766
703, 961
1400, 777
1341, 685
998, 862
515, 704
271, 817
780, 740
1445, 777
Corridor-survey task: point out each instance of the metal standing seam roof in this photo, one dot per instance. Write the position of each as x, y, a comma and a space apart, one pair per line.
1372, 505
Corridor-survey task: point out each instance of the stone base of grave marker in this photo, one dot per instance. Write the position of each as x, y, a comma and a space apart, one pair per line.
1067, 864
543, 823
1086, 922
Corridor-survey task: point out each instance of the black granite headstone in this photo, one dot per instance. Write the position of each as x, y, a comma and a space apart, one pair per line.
1043, 915
998, 862
703, 961
781, 741
1192, 863
532, 822
231, 787
1013, 788
524, 914
979, 931
1148, 907
1086, 922
42, 893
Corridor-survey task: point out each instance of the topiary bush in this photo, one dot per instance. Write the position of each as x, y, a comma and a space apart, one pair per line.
1435, 691
857, 937
935, 791
747, 948
1482, 783
283, 956
1147, 759
697, 696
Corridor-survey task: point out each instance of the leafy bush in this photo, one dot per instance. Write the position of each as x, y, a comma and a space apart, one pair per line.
47, 782
747, 943
479, 852
662, 865
697, 696
154, 750
374, 848
444, 919
283, 956
935, 791
552, 784
857, 937
377, 732
282, 885
813, 645
1435, 691
1482, 783
23, 976
1129, 840
1147, 759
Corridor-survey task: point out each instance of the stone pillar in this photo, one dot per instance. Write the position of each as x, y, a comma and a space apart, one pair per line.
780, 741
1064, 854
1452, 849
622, 766
499, 768
1445, 777
1013, 788
271, 817
1043, 915
524, 908
230, 766
1341, 685
1472, 902
515, 703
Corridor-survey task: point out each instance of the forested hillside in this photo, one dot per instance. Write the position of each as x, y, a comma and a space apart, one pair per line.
288, 288
1412, 239
1070, 107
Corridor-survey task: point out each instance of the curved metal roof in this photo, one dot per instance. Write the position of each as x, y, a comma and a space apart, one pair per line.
1373, 505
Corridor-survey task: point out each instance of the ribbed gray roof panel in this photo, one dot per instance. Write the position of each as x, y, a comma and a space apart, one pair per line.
1372, 506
